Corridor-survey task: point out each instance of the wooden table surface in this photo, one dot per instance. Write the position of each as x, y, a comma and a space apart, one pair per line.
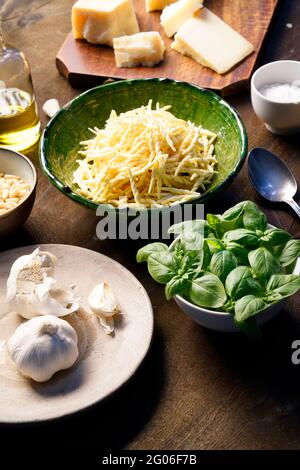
197, 389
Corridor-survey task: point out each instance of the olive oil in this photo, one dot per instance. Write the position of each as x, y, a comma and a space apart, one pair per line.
19, 122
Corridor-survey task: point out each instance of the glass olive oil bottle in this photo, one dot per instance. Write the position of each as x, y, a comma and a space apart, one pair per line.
19, 122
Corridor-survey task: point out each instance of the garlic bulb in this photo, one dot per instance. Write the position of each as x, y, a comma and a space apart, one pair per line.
31, 290
103, 303
42, 346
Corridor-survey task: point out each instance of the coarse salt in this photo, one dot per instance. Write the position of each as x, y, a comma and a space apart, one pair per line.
282, 92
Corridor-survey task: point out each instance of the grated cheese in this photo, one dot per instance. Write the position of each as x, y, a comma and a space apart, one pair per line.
145, 157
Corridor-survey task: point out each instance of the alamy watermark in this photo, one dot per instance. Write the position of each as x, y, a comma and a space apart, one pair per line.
296, 354
139, 223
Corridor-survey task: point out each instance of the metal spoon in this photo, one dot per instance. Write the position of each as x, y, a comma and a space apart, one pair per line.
271, 178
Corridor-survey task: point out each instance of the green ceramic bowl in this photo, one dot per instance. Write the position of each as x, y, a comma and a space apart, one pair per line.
61, 139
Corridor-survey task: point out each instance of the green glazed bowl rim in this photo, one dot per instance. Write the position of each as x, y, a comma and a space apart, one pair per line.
124, 83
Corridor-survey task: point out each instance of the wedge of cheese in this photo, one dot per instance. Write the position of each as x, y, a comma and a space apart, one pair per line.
175, 15
99, 21
211, 42
145, 49
152, 5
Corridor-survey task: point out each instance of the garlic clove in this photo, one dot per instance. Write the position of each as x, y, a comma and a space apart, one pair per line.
103, 303
102, 300
43, 346
51, 107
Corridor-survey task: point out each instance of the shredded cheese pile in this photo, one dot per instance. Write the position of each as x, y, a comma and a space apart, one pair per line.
146, 157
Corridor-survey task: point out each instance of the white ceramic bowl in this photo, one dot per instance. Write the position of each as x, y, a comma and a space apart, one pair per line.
15, 163
279, 118
222, 321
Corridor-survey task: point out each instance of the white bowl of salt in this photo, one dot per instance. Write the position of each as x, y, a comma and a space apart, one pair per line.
275, 95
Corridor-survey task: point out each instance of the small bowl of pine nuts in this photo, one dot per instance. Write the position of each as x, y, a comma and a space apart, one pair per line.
18, 181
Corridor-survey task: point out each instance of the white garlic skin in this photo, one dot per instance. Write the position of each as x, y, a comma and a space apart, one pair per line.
32, 292
102, 300
43, 346
44, 263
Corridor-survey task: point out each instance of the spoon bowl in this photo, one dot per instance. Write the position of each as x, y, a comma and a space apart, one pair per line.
271, 178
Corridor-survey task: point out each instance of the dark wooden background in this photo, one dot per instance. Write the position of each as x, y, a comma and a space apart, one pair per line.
197, 389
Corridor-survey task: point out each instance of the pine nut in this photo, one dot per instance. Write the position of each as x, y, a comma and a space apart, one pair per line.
13, 190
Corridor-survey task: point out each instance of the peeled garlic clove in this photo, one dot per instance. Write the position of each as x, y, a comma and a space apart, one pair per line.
50, 107
102, 300
42, 346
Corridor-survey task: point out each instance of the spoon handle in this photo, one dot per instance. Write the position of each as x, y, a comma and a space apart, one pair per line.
294, 206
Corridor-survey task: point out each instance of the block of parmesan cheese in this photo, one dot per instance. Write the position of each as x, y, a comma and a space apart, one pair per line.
152, 5
99, 21
175, 15
211, 42
145, 49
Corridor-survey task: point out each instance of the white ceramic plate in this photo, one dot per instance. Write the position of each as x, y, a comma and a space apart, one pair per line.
105, 362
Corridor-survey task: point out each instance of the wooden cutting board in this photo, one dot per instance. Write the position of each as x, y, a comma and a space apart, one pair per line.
87, 65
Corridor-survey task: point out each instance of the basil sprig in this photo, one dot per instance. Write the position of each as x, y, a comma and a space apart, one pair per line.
231, 262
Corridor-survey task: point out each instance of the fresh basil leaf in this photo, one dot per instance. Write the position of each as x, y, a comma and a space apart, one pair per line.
144, 253
242, 236
254, 218
222, 263
191, 241
191, 264
207, 291
176, 285
275, 237
240, 282
263, 264
283, 284
231, 224
245, 311
206, 255
199, 226
239, 252
276, 250
215, 245
272, 297
290, 253
235, 212
162, 267
248, 306
187, 241
228, 307
215, 224
259, 233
